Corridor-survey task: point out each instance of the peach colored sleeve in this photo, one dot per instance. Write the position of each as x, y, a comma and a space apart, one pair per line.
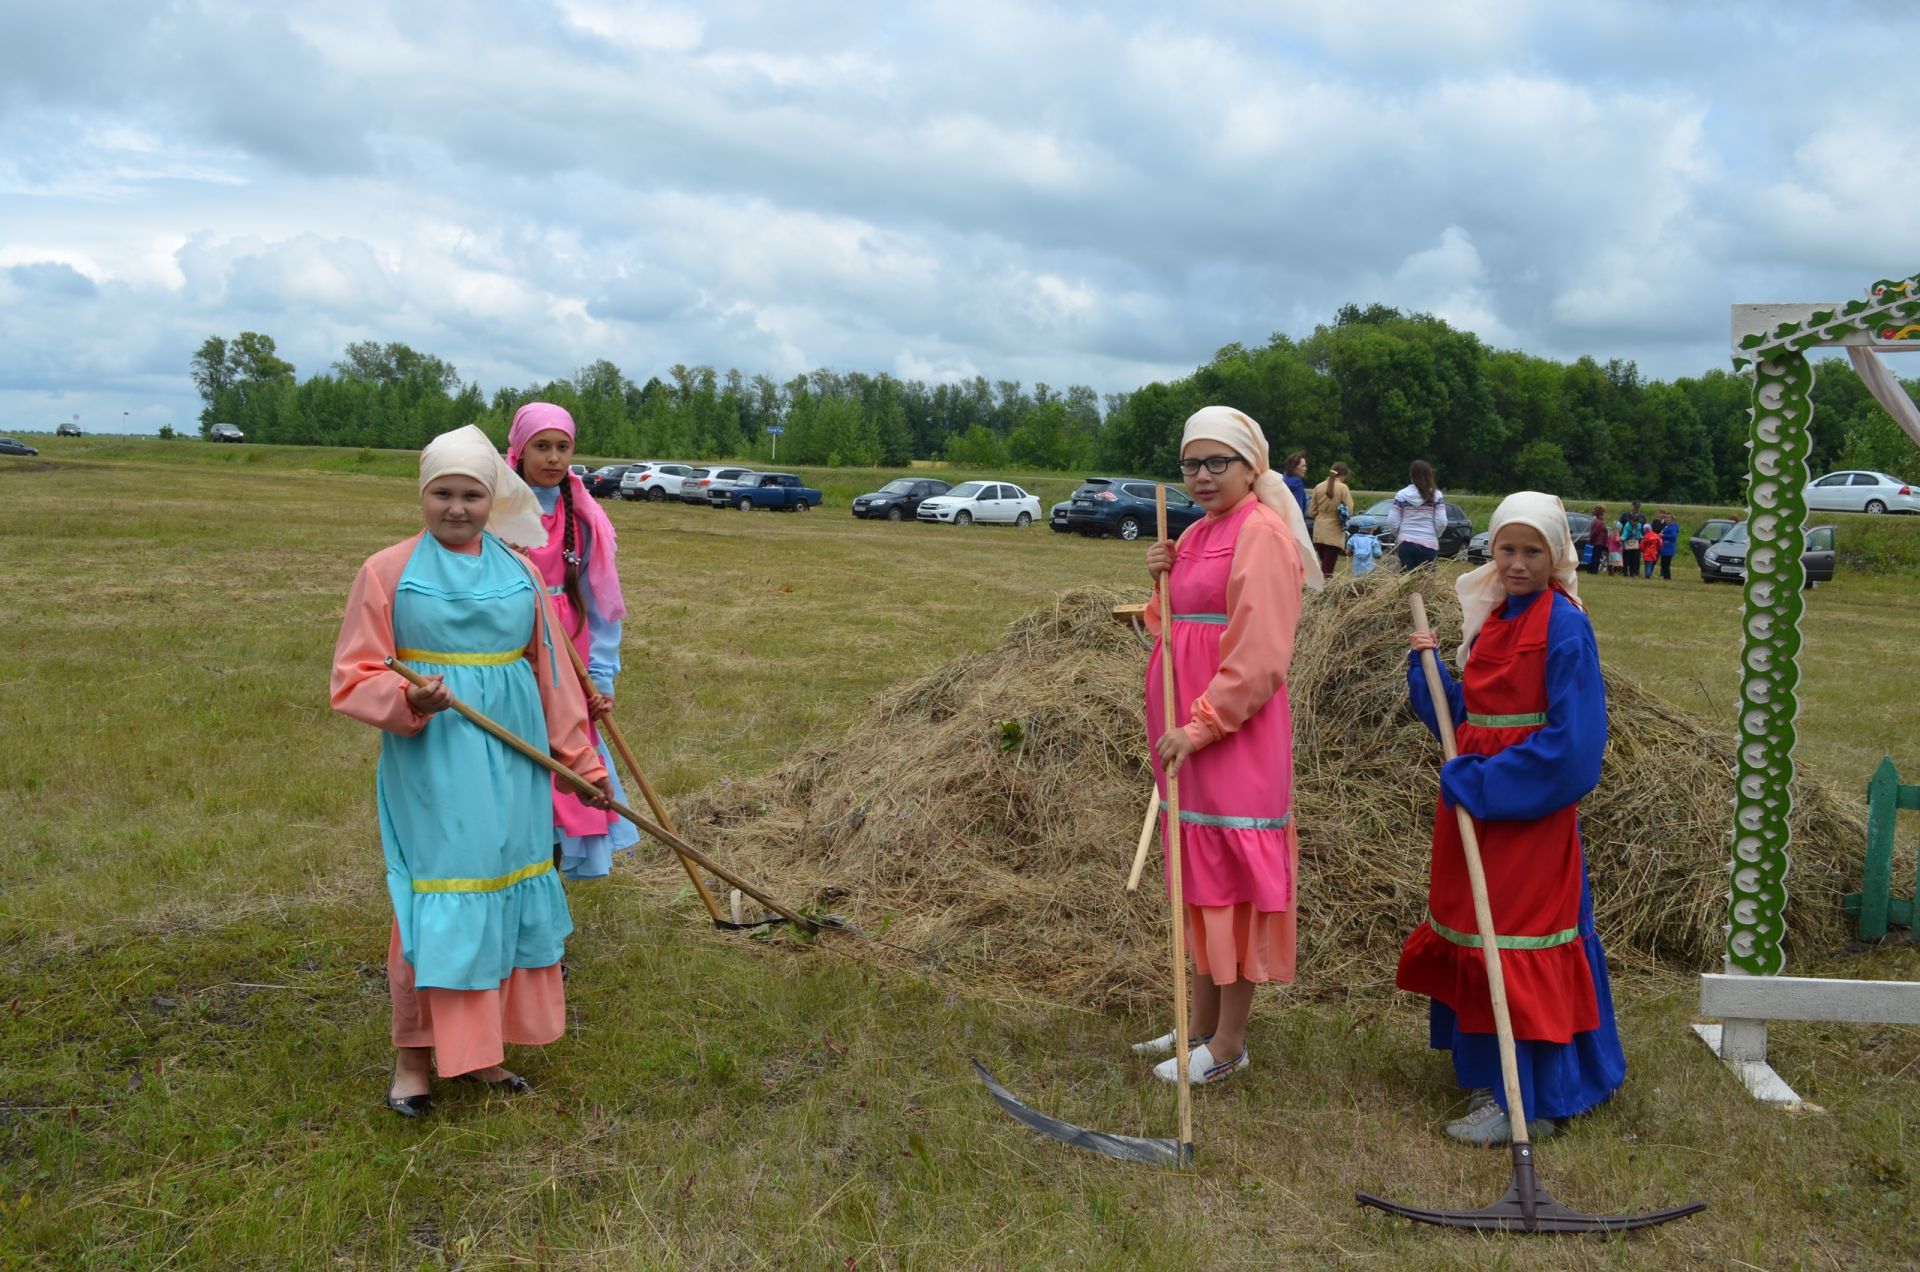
1264, 588
561, 697
362, 686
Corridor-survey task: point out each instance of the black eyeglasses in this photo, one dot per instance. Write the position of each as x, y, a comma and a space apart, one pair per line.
1215, 464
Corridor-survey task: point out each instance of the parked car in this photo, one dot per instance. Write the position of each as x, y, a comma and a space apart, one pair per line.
1860, 490
1454, 538
765, 490
654, 480
226, 433
1726, 560
988, 502
578, 470
14, 446
1710, 532
1578, 523
1124, 506
67, 430
1057, 517
899, 499
694, 486
604, 482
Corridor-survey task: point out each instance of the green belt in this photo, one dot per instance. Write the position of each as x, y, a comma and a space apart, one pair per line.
1472, 941
1528, 721
1218, 620
499, 883
1231, 823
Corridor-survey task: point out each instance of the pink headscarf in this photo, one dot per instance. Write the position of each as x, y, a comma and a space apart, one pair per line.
537, 417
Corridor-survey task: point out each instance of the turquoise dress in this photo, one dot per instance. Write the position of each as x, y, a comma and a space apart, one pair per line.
466, 822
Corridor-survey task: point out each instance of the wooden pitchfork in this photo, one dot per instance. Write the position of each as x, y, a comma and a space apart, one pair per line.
1525, 1206
686, 850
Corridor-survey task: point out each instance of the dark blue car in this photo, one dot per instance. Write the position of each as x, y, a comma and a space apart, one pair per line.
1124, 506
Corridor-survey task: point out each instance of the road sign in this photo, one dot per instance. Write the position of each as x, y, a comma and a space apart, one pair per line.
775, 429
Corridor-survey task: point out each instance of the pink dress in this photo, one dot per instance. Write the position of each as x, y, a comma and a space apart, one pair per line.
1236, 587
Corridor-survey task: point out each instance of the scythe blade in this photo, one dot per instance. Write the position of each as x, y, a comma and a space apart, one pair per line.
1126, 1148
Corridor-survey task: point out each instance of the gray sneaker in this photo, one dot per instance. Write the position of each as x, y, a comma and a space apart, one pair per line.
1487, 1126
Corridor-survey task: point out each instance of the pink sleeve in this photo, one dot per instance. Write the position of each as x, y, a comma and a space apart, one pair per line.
362, 685
1264, 589
561, 697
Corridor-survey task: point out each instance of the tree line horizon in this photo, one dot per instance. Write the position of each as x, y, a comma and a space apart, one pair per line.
1376, 388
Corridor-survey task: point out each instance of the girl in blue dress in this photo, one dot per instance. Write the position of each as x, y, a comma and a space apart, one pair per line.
466, 824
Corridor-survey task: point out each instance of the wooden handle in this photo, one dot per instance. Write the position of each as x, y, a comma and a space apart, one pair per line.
1169, 710
1477, 877
1146, 839
654, 805
585, 787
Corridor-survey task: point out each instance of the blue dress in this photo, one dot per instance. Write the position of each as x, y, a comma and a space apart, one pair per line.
466, 822
1555, 766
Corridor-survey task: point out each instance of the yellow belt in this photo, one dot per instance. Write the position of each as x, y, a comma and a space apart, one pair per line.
445, 659
495, 884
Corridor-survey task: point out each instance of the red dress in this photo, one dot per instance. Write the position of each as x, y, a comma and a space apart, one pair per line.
1533, 868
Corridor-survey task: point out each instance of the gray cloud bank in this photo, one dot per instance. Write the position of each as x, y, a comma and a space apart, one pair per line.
1099, 196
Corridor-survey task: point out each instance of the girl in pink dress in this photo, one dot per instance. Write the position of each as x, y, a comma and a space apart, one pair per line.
575, 558
1235, 583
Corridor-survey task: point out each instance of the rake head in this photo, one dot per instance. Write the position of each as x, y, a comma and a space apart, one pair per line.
1527, 1207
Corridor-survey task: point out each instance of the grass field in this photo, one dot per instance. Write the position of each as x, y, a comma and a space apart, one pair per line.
192, 928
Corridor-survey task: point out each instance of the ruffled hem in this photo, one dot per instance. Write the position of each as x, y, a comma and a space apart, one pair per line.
1550, 992
1231, 943
470, 1029
470, 941
1226, 866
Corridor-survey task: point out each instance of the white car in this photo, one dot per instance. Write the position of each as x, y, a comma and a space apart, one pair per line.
988, 502
1861, 490
653, 479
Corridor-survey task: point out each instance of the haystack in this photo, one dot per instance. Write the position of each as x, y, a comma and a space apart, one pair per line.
984, 815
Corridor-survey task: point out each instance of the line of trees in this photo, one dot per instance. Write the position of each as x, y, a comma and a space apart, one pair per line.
1375, 387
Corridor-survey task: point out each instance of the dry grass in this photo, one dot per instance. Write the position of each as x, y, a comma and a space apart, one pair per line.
985, 813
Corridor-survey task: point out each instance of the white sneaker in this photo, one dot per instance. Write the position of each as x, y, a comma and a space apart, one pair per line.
1163, 1045
1202, 1068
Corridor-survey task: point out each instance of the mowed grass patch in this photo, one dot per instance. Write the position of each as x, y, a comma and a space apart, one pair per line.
192, 930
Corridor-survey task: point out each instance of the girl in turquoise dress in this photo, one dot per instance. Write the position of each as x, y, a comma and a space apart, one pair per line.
479, 917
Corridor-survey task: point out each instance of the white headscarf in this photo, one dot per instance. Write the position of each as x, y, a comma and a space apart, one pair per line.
468, 453
1480, 591
1237, 429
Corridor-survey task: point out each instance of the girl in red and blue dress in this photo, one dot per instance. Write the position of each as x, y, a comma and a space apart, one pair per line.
1531, 712
576, 562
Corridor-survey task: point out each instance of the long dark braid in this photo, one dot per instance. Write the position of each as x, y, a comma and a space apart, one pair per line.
569, 553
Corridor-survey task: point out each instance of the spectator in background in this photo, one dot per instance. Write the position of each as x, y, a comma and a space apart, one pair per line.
1632, 524
1419, 514
1597, 540
1669, 543
1326, 513
1294, 473
1363, 545
1615, 556
1650, 547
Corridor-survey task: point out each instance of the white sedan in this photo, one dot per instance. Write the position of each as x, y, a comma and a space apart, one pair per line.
988, 502
1861, 490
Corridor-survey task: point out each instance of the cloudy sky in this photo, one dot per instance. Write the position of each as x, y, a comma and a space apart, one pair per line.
1101, 195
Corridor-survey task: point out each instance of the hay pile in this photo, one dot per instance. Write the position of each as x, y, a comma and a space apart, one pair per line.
985, 815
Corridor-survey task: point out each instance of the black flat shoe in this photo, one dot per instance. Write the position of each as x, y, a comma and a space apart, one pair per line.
512, 1084
408, 1105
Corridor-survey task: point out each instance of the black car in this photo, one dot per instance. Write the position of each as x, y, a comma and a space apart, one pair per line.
604, 483
14, 446
1057, 517
1124, 506
1709, 533
899, 499
226, 433
1454, 538
67, 430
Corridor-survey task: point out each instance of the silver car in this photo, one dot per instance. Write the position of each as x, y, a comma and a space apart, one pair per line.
1860, 490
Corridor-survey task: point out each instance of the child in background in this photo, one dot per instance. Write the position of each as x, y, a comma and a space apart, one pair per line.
1650, 548
1614, 551
1363, 545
